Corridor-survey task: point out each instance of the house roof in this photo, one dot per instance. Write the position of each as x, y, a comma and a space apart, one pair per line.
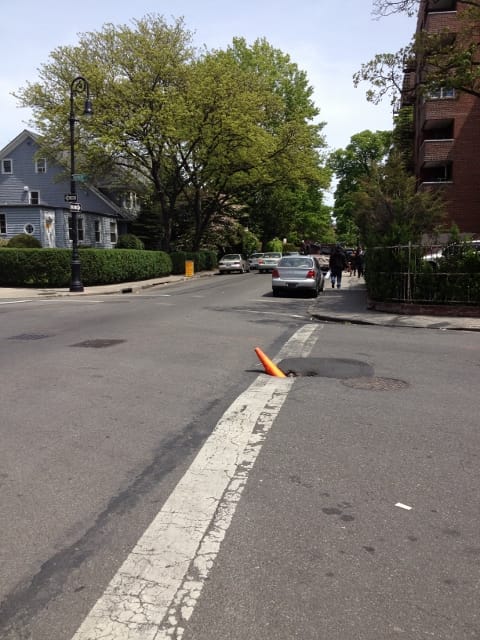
25, 134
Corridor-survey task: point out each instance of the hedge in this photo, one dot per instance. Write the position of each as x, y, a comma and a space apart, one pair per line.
52, 267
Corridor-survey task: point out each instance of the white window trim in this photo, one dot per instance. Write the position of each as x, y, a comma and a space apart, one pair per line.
3, 166
43, 169
30, 233
451, 96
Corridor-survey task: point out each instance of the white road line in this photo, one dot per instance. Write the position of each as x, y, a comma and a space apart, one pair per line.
15, 301
156, 589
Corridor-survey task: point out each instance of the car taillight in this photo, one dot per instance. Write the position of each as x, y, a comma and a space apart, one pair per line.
311, 274
275, 273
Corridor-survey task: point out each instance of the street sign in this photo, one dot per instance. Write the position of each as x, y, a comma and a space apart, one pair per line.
70, 197
75, 207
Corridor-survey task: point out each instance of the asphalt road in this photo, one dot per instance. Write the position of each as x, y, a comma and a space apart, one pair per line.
107, 401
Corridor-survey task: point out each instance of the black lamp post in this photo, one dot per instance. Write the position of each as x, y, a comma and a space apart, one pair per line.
78, 85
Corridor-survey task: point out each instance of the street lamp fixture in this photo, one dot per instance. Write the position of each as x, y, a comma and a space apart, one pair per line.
78, 85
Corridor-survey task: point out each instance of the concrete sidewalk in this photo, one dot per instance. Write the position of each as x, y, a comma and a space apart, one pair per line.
347, 305
350, 305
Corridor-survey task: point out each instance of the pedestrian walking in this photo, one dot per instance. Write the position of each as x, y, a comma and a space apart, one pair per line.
337, 263
360, 262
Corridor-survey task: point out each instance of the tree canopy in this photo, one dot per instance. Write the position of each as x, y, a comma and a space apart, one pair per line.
352, 166
199, 132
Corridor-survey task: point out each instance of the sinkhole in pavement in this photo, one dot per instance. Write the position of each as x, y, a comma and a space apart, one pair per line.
340, 368
355, 374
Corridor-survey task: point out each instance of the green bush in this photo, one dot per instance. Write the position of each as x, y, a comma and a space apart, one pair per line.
129, 241
24, 241
52, 267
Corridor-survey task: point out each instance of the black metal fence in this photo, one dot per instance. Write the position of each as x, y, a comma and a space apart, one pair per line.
425, 274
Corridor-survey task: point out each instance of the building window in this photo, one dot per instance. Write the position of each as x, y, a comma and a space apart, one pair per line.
41, 165
34, 197
7, 165
438, 173
80, 234
130, 201
29, 228
442, 94
113, 232
3, 223
441, 5
98, 236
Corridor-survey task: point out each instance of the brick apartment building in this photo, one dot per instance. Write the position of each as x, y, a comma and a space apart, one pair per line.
447, 129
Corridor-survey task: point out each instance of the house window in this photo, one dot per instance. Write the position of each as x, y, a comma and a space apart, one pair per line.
442, 94
98, 236
130, 201
41, 165
113, 232
29, 228
3, 223
7, 165
34, 197
80, 234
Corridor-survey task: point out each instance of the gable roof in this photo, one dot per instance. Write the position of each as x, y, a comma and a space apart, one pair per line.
26, 134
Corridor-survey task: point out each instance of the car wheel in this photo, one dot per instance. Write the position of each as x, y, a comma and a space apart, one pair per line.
315, 293
275, 293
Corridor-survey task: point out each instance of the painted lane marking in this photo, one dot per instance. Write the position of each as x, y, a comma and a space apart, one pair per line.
403, 506
15, 301
156, 589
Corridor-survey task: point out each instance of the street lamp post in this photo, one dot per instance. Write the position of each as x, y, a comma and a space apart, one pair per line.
78, 85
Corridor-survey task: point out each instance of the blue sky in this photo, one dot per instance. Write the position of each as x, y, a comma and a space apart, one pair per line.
327, 39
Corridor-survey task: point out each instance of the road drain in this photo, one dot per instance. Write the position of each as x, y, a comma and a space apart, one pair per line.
98, 344
341, 368
376, 384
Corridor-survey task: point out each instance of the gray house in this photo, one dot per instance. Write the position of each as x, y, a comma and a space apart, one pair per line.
33, 200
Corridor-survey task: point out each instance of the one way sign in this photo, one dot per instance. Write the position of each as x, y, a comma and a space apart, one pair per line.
70, 197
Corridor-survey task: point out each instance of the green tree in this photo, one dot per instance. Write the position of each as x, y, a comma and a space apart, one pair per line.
196, 130
390, 211
352, 166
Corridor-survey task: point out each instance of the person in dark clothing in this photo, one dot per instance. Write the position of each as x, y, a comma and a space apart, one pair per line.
359, 264
337, 263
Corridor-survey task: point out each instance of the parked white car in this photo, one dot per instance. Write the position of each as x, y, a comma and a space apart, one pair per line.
253, 260
457, 248
269, 261
233, 262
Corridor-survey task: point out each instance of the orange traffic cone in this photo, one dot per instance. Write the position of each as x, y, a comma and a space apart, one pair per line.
269, 366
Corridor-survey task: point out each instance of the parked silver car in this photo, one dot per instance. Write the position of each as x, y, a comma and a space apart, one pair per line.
450, 250
298, 273
269, 261
253, 260
233, 262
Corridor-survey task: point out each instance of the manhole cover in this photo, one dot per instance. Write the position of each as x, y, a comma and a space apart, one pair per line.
29, 336
98, 344
376, 384
340, 368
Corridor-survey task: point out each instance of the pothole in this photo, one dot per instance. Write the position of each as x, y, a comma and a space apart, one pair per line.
376, 384
341, 368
